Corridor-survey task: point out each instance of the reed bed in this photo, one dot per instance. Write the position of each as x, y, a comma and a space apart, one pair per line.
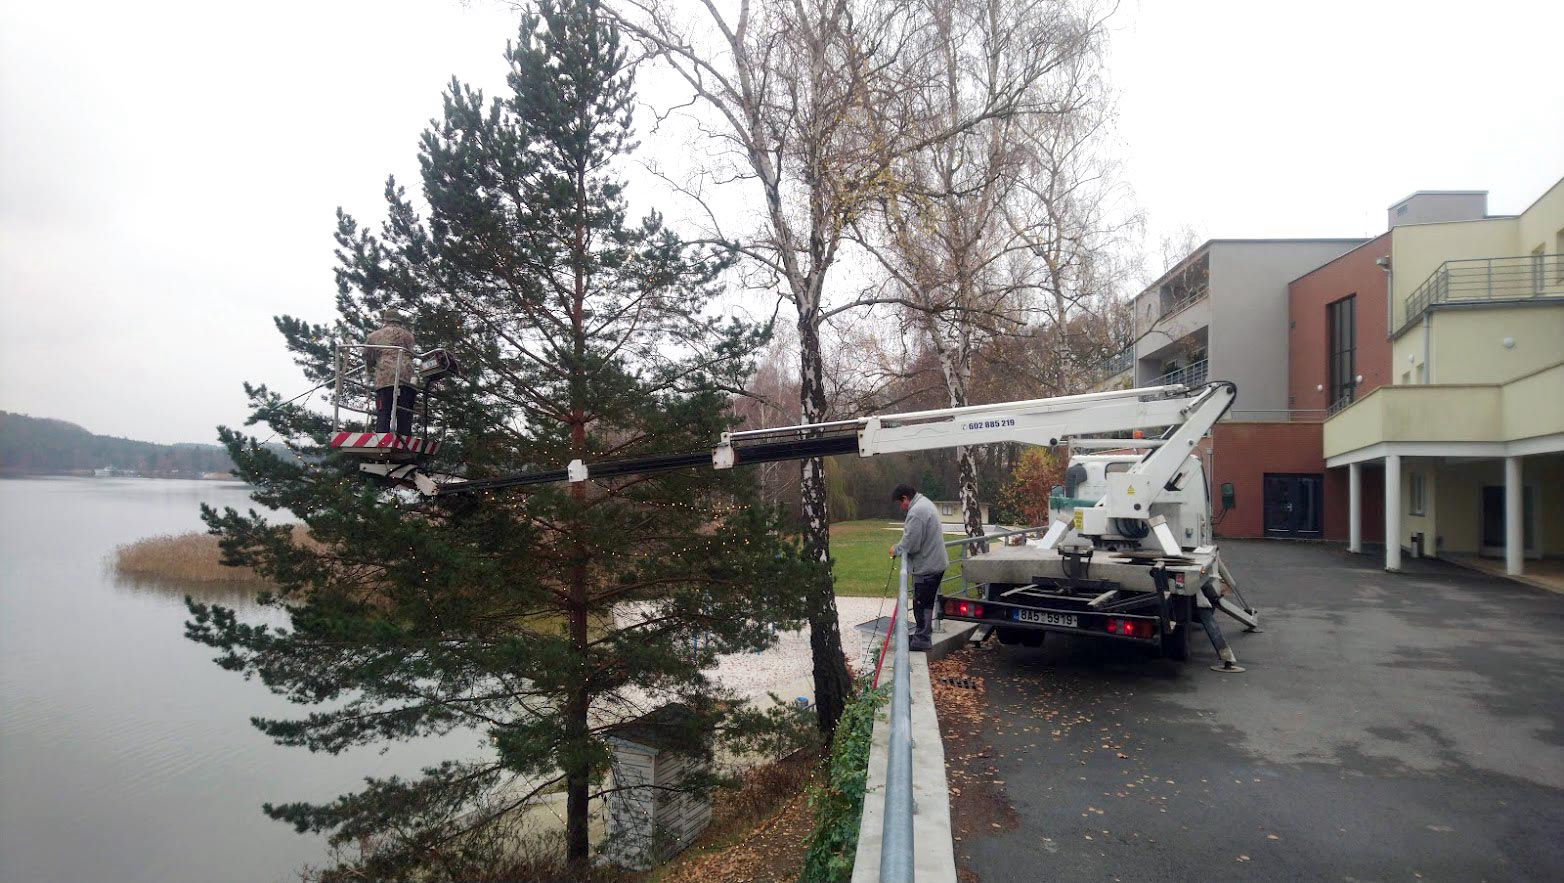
188, 557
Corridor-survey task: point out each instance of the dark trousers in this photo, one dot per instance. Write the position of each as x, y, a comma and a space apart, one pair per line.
925, 591
405, 396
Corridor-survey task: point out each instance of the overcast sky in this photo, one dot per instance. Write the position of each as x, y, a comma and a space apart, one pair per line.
169, 170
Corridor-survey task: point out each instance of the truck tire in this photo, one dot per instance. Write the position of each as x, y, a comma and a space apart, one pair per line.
1175, 644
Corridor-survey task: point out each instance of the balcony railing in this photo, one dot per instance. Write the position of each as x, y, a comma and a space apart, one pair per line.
1479, 280
1118, 364
1193, 374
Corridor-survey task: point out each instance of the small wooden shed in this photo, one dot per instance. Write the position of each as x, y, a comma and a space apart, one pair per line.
648, 822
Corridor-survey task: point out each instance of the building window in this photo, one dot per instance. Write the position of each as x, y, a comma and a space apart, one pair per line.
1341, 354
1416, 493
1538, 273
1558, 254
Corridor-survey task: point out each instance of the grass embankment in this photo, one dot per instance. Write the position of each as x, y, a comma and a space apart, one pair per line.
862, 565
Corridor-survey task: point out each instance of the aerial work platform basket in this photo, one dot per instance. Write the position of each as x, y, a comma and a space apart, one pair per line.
354, 410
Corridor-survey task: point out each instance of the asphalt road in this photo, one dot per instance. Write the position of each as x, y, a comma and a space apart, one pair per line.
1389, 727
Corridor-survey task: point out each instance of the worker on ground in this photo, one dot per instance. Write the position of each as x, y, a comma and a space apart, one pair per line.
923, 544
391, 372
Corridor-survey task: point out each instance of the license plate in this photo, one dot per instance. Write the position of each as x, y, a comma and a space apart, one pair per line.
1043, 618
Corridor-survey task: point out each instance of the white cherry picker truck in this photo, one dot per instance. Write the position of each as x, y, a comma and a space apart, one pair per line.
1127, 556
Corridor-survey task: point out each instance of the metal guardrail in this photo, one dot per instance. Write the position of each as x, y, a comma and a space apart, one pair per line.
896, 856
896, 846
1193, 374
1476, 280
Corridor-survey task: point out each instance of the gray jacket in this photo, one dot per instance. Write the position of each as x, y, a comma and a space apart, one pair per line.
923, 539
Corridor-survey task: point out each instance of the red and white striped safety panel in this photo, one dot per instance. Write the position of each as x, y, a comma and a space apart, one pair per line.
383, 441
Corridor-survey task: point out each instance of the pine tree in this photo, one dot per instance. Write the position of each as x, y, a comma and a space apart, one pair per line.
544, 617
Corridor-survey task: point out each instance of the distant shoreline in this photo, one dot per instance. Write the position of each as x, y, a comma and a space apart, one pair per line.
88, 473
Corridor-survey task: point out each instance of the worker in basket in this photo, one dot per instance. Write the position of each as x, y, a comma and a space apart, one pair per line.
391, 372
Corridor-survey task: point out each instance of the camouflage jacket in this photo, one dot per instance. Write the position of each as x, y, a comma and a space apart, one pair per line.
382, 364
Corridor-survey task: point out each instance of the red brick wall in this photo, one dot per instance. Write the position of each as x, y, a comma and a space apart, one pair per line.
1307, 367
1245, 452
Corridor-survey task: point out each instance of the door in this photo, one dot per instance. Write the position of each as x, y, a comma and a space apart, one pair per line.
1493, 521
1293, 505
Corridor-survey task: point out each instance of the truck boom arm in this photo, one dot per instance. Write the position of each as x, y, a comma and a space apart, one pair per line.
1036, 421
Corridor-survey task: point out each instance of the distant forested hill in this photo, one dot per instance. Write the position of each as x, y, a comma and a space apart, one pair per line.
40, 445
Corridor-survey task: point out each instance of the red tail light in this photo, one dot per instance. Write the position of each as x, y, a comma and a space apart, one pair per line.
963, 608
1134, 628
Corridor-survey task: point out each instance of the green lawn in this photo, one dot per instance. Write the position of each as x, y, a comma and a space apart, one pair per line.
861, 552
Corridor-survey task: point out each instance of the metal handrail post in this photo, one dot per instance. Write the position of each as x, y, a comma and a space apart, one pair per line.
896, 834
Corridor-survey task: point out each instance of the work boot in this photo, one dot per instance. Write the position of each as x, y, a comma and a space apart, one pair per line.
918, 644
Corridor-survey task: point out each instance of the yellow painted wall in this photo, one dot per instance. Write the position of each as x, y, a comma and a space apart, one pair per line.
1427, 523
1541, 222
1467, 345
1417, 250
1458, 502
1534, 405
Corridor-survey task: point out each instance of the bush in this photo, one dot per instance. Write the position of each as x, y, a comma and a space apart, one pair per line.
838, 803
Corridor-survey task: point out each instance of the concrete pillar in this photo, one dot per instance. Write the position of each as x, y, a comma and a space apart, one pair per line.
1392, 512
1355, 507
1514, 518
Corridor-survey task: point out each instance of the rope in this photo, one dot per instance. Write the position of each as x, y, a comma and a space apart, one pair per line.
279, 405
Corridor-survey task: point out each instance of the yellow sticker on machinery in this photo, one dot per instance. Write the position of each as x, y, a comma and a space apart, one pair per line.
1078, 519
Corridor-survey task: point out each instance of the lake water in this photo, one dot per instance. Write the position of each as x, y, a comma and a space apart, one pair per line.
125, 753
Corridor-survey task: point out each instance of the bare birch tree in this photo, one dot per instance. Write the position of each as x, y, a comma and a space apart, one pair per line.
949, 237
809, 100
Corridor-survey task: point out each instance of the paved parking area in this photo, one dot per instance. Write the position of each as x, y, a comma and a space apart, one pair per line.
1390, 727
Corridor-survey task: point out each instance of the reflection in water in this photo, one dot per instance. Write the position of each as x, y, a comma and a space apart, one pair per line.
238, 595
125, 753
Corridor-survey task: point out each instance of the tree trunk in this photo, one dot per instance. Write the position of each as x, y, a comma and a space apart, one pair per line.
832, 684
952, 366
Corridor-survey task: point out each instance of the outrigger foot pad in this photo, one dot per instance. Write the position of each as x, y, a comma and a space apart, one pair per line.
1229, 662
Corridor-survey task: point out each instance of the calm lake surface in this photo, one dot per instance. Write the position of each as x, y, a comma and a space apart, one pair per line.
125, 753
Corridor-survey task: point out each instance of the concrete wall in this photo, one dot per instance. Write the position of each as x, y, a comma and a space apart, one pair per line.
1249, 313
1308, 367
1429, 206
1443, 413
1466, 345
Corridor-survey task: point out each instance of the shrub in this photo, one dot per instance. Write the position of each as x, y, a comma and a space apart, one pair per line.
838, 803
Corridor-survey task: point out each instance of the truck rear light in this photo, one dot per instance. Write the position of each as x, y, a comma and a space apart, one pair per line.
963, 608
1134, 628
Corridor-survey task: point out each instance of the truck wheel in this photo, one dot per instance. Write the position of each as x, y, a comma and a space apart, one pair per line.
1175, 644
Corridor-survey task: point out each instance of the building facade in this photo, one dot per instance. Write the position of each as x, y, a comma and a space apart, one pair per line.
1467, 438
